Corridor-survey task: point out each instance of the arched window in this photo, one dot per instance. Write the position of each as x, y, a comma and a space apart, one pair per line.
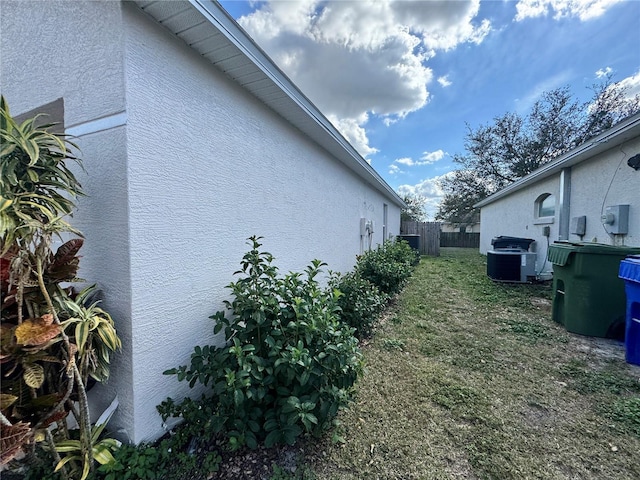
545, 205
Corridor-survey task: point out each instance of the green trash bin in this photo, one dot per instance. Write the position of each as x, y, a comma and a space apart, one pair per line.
588, 296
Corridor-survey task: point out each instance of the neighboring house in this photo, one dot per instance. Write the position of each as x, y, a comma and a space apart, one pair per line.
452, 227
576, 197
192, 140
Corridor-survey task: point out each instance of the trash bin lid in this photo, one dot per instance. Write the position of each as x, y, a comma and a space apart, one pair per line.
630, 269
560, 252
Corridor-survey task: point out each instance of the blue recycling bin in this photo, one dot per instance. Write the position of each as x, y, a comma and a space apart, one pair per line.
630, 273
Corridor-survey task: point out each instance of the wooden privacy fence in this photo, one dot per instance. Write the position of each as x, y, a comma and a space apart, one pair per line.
429, 236
458, 239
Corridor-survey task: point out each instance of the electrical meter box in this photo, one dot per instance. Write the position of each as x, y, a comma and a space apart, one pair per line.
616, 219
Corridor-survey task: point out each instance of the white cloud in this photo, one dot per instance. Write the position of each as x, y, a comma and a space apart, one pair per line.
427, 158
603, 72
354, 132
408, 161
429, 189
431, 157
394, 169
360, 58
583, 9
444, 81
632, 84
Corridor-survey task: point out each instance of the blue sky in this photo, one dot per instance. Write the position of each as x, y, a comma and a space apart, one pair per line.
402, 79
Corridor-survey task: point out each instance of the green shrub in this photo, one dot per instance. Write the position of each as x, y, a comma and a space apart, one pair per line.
288, 366
133, 462
400, 251
360, 302
172, 458
389, 266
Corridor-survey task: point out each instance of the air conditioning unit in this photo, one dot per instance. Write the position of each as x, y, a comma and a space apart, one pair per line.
511, 265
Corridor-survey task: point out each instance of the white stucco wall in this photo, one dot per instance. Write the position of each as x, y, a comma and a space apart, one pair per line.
63, 49
182, 165
604, 181
208, 167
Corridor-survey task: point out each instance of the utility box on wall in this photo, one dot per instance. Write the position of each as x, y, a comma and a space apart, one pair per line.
616, 219
578, 225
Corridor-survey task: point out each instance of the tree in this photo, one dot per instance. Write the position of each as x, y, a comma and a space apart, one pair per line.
415, 210
469, 189
513, 146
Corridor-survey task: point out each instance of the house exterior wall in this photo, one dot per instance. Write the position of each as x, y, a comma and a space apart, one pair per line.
448, 227
182, 165
75, 48
209, 166
604, 181
596, 183
514, 216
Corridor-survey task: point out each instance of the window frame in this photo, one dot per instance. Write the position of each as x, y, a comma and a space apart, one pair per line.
540, 215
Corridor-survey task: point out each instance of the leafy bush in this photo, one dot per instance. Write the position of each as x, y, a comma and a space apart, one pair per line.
133, 462
360, 302
287, 368
171, 458
389, 266
402, 252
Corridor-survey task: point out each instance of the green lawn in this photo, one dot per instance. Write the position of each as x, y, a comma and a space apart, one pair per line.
468, 379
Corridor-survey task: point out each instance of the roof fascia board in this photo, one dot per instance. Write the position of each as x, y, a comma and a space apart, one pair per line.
221, 19
601, 143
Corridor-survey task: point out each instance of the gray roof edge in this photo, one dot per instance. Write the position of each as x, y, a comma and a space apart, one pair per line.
610, 138
227, 26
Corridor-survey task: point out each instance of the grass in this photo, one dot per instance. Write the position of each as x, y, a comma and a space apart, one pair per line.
471, 379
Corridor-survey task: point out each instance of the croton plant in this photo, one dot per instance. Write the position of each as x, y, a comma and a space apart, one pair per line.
55, 340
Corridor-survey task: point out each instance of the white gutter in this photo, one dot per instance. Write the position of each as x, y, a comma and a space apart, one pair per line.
221, 19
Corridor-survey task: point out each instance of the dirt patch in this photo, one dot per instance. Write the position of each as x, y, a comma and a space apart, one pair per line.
537, 415
542, 304
598, 350
258, 464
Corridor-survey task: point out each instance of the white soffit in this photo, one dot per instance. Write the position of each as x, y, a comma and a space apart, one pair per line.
208, 29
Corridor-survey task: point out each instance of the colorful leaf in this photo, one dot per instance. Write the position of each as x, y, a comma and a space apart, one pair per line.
6, 400
36, 332
67, 446
33, 375
102, 455
65, 263
59, 415
108, 335
67, 251
82, 334
66, 460
12, 438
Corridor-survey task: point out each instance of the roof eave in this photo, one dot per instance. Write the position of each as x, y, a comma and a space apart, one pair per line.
320, 129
